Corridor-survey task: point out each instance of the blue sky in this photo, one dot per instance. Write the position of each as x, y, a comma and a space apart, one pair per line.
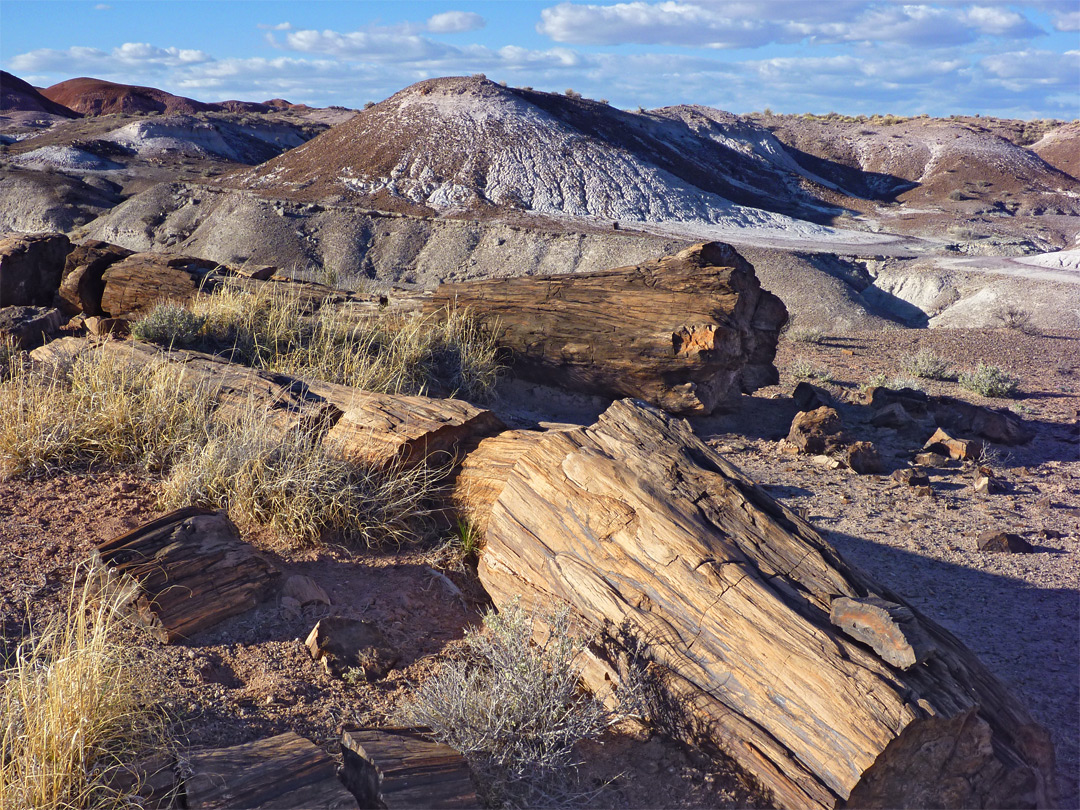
1012, 59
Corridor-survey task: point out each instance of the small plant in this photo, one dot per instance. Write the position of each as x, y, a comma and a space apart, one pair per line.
990, 381
169, 324
368, 105
1010, 316
572, 93
805, 370
928, 366
75, 708
806, 334
512, 708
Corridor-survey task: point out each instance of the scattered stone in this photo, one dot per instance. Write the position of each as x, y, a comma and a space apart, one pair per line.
998, 541
912, 400
399, 768
1051, 534
893, 416
811, 397
924, 492
847, 352
911, 477
342, 644
304, 590
100, 327
986, 485
1000, 426
152, 779
827, 461
817, 431
931, 460
30, 268
28, 326
283, 771
891, 630
863, 458
960, 449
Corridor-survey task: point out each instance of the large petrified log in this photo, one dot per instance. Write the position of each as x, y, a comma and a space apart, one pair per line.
192, 571
373, 428
756, 634
685, 333
82, 284
30, 268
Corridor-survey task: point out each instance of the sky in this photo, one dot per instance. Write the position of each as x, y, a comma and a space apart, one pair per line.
1007, 59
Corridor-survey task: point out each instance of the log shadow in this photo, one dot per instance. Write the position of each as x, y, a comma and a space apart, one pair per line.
1026, 635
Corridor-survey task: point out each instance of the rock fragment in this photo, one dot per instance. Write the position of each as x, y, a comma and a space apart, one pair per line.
342, 644
1007, 542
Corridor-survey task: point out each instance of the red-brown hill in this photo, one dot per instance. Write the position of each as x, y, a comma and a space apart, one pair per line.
99, 97
15, 94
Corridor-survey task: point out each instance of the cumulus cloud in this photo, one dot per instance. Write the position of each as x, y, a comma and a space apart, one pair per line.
285, 26
455, 22
1068, 21
137, 56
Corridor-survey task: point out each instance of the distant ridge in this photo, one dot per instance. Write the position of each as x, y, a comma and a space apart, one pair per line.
17, 95
98, 97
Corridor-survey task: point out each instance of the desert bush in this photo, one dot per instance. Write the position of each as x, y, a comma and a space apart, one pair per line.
990, 381
956, 195
1011, 316
100, 409
276, 329
806, 334
298, 487
513, 709
572, 93
75, 708
928, 366
802, 369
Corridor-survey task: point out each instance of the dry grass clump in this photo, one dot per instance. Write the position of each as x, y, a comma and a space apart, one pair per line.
100, 409
802, 369
928, 366
276, 328
990, 381
1010, 316
513, 709
75, 708
806, 334
297, 486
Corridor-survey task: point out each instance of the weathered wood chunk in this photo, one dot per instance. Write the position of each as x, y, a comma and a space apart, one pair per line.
192, 569
82, 285
1003, 542
670, 558
890, 629
685, 333
29, 327
817, 431
286, 772
960, 449
133, 285
399, 768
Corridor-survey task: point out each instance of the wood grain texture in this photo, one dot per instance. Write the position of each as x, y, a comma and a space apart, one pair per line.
685, 333
192, 569
672, 560
286, 771
400, 768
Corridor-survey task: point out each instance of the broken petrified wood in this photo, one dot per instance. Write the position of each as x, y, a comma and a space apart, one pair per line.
30, 268
817, 431
685, 333
399, 768
82, 285
679, 569
192, 571
285, 771
341, 644
890, 629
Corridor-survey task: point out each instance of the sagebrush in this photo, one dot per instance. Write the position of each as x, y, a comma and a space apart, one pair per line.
514, 709
990, 381
927, 365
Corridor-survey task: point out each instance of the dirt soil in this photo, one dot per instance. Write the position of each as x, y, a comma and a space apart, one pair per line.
251, 676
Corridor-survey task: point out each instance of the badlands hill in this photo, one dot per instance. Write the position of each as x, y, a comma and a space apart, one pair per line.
19, 96
99, 97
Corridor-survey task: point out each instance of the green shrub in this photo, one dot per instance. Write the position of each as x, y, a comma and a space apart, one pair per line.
512, 708
806, 334
990, 381
928, 366
805, 370
169, 324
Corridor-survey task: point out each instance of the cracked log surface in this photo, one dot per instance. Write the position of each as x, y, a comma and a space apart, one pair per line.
686, 332
685, 574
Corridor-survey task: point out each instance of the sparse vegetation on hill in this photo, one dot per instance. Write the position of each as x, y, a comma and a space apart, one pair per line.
928, 366
274, 329
990, 381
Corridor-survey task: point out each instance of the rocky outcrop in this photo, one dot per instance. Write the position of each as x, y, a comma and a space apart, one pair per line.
82, 285
30, 268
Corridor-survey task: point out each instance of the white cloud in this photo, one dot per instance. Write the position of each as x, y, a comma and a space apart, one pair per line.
285, 26
1020, 71
1068, 21
92, 61
102, 7
455, 22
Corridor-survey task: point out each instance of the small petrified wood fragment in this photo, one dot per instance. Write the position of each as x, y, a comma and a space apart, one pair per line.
192, 569
686, 332
286, 771
400, 768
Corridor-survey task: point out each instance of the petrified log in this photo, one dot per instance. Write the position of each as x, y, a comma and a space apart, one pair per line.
285, 771
681, 571
368, 427
82, 284
686, 332
132, 286
29, 326
399, 768
30, 268
192, 569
